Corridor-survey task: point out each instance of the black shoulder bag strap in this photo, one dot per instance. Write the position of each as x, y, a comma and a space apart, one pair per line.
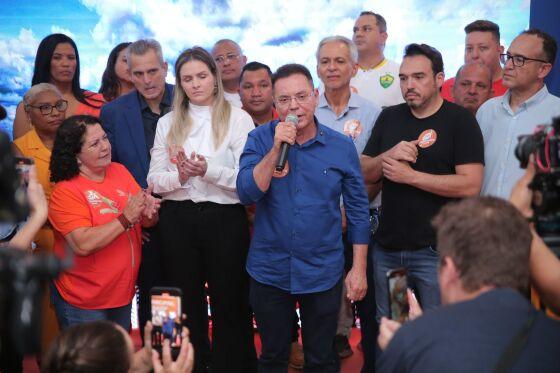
515, 346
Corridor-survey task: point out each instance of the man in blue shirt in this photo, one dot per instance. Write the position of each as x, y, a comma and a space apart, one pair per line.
352, 115
526, 104
296, 254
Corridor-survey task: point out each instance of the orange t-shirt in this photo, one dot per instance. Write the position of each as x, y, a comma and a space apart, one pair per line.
95, 99
447, 87
106, 278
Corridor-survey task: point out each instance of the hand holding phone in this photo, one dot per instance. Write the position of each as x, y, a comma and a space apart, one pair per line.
398, 297
167, 319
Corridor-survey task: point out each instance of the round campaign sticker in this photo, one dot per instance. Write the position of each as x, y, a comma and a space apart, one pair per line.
427, 138
352, 128
282, 173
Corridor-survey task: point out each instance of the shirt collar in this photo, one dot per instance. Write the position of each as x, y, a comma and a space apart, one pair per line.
531, 101
352, 102
165, 100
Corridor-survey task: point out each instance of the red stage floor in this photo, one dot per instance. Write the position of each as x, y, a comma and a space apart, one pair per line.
352, 364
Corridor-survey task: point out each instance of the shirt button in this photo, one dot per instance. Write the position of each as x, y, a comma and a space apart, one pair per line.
298, 190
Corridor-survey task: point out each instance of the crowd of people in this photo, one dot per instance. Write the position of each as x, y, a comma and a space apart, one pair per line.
389, 166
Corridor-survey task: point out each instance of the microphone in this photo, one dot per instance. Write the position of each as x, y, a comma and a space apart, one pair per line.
285, 147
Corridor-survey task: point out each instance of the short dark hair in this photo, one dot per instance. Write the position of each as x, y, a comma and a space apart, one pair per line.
379, 20
255, 66
488, 240
67, 145
483, 25
549, 46
427, 51
290, 69
88, 348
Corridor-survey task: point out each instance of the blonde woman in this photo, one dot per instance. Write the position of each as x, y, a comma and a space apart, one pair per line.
194, 166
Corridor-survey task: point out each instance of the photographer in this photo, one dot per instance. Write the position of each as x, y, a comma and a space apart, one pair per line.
483, 276
545, 266
24, 233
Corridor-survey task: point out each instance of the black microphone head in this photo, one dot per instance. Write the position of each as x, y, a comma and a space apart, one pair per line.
292, 118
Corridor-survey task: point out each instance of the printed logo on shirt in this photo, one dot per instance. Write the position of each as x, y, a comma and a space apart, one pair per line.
427, 138
96, 200
352, 128
282, 173
386, 80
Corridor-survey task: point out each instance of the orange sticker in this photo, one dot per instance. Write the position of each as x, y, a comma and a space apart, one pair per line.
282, 173
427, 138
352, 128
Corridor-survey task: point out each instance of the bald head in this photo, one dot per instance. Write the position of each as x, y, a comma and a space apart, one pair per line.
230, 61
473, 86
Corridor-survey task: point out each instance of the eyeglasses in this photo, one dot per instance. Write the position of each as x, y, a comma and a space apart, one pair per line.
46, 109
301, 98
230, 57
517, 61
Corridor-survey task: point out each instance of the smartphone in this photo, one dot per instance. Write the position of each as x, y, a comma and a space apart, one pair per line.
398, 300
23, 165
167, 318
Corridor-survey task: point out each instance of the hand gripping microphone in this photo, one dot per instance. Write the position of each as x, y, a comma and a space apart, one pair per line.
285, 147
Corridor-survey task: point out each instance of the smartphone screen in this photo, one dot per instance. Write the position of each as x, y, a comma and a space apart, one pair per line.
167, 318
398, 301
23, 165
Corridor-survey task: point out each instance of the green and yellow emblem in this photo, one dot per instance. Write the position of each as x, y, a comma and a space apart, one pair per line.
386, 80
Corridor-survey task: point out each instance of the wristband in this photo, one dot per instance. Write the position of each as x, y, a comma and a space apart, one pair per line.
124, 222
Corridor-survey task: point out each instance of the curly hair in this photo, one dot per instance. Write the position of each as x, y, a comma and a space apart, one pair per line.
88, 348
110, 83
67, 145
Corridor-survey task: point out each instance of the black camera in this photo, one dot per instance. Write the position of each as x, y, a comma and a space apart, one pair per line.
544, 145
23, 276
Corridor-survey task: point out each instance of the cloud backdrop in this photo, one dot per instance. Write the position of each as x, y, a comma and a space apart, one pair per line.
273, 32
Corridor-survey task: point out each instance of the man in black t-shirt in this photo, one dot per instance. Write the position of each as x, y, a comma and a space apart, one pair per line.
425, 153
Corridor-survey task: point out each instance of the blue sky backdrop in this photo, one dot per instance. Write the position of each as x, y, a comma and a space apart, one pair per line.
273, 32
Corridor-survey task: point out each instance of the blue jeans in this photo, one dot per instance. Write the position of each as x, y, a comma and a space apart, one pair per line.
422, 275
69, 315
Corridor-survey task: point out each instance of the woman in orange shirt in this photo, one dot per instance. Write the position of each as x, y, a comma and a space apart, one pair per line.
58, 62
96, 209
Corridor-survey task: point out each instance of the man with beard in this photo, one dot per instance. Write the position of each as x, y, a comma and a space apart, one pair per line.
426, 152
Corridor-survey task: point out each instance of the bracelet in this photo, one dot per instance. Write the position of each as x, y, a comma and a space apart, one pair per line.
124, 222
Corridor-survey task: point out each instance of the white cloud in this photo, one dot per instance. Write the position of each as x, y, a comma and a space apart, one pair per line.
60, 30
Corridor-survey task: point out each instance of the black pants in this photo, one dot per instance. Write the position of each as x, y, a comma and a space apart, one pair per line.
208, 242
274, 312
150, 275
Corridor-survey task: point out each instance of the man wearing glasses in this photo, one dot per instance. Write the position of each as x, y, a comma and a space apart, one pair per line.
296, 253
230, 61
482, 45
526, 104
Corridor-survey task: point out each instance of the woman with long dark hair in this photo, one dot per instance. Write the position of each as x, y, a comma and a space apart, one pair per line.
58, 62
204, 228
116, 77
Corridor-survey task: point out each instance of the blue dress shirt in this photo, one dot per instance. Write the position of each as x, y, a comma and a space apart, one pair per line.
297, 241
501, 128
358, 108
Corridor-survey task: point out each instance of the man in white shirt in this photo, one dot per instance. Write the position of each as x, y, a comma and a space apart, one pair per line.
230, 61
377, 78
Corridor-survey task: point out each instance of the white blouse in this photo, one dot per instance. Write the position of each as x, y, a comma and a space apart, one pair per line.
219, 183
